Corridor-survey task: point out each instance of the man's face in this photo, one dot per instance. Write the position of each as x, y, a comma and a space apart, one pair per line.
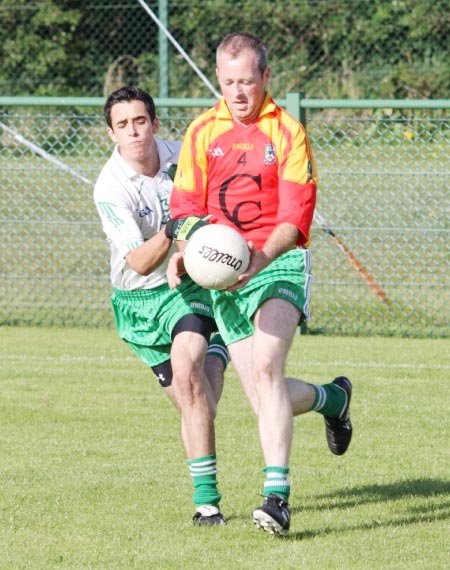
133, 131
242, 85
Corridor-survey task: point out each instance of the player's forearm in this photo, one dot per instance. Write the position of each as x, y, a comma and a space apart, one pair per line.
283, 238
148, 256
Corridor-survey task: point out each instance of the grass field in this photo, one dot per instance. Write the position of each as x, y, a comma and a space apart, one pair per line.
93, 474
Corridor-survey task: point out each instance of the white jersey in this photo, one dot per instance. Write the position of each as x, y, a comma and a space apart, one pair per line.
133, 208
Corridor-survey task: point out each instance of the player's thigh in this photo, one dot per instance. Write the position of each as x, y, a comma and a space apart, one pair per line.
188, 350
275, 323
190, 342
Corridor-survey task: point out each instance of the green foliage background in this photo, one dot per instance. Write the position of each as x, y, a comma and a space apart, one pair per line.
329, 49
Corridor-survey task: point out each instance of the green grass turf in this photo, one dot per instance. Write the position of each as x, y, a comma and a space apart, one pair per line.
93, 473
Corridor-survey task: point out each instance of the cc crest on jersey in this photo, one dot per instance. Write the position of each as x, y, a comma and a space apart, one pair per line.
269, 155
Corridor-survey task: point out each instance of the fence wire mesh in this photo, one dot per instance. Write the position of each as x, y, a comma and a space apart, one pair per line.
384, 190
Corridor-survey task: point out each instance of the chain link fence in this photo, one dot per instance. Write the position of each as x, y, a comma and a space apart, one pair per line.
384, 192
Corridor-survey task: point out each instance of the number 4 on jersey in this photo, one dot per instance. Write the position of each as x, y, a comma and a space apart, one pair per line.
243, 159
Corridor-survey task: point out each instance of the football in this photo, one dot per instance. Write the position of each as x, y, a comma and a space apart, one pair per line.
215, 256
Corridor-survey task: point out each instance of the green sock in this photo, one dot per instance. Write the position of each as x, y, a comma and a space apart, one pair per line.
277, 482
330, 400
203, 471
218, 348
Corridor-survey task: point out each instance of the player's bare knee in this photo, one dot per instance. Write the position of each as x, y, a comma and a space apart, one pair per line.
263, 372
189, 388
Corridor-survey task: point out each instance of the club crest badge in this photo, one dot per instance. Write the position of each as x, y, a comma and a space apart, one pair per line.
269, 155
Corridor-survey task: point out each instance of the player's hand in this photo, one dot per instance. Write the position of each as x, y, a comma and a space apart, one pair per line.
175, 269
258, 261
183, 228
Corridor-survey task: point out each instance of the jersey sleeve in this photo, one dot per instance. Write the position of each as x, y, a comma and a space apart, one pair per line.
297, 185
119, 225
188, 195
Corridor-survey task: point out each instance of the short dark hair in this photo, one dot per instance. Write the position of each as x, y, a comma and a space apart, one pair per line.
234, 44
126, 95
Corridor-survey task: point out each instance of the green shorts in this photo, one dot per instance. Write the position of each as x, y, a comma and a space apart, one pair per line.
287, 277
145, 318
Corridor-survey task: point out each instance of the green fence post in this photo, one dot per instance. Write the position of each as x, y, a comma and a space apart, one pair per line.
293, 104
163, 46
295, 108
302, 109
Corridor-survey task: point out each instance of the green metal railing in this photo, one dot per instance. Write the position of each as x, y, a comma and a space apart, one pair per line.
295, 103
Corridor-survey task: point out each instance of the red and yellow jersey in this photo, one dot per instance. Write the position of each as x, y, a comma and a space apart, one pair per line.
251, 177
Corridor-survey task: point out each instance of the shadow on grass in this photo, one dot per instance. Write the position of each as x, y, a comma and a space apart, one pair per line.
377, 494
354, 496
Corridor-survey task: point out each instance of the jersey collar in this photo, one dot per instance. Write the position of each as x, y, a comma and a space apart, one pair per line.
167, 154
